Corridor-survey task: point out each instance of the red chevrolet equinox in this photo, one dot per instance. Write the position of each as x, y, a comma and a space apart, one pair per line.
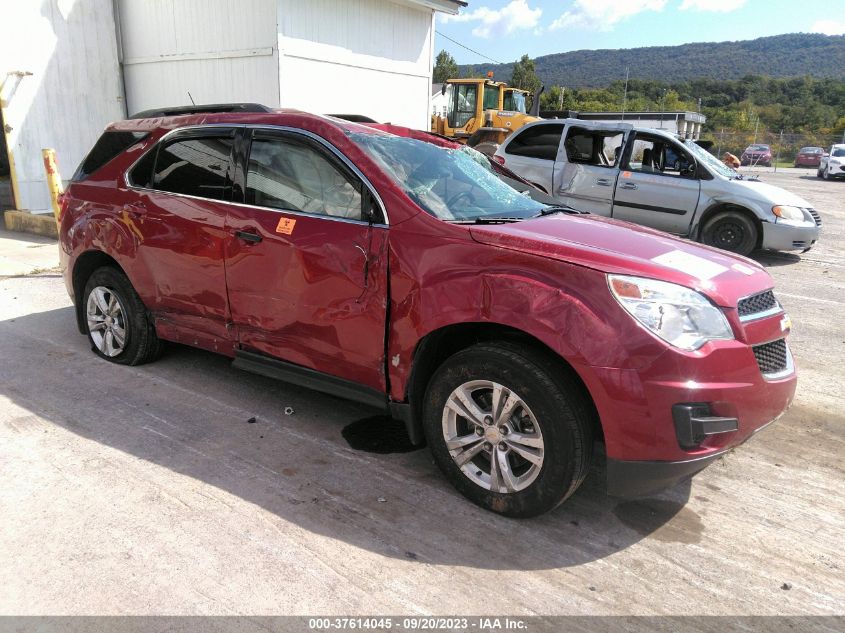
506, 333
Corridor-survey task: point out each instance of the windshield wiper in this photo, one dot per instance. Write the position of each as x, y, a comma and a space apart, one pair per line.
486, 220
563, 208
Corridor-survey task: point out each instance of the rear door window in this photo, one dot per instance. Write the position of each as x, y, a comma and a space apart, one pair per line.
194, 167
539, 141
593, 147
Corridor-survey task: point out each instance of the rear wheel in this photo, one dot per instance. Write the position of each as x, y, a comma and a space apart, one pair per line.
119, 328
731, 231
508, 428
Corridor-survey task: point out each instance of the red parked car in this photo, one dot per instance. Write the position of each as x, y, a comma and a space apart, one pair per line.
506, 333
757, 155
809, 157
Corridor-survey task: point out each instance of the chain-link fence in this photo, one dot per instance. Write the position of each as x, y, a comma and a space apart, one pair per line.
784, 146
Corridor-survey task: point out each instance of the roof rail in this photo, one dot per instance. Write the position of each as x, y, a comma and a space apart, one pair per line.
354, 118
212, 108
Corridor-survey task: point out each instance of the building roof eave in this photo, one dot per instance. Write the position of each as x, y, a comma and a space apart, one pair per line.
444, 6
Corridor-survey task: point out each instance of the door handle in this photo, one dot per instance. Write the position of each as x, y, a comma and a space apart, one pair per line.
248, 236
628, 185
604, 182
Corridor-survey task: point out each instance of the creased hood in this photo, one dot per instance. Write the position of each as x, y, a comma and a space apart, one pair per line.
620, 247
769, 193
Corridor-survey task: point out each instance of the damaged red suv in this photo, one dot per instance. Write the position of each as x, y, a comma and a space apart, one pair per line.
507, 334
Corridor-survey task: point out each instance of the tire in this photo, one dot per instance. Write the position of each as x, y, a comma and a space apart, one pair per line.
731, 231
818, 173
550, 416
118, 325
826, 174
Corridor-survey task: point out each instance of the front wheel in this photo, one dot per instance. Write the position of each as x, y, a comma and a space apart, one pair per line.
731, 231
119, 328
509, 428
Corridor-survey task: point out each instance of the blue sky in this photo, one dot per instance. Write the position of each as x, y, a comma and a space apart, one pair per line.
504, 30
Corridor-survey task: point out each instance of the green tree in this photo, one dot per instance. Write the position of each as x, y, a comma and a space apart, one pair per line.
469, 72
524, 75
445, 67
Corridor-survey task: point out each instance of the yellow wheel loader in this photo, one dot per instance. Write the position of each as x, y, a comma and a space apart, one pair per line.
482, 112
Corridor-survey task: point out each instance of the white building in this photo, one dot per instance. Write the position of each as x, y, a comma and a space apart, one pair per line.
69, 67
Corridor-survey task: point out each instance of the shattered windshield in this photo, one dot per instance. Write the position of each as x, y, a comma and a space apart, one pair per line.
451, 184
703, 156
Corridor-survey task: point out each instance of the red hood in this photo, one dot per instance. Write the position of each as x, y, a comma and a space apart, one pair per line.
619, 247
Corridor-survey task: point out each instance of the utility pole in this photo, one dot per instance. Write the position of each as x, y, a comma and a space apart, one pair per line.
662, 107
625, 95
777, 156
756, 125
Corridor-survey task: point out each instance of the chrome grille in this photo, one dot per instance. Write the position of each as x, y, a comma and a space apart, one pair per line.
815, 215
771, 357
761, 302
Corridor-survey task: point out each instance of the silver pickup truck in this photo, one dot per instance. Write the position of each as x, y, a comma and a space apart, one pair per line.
652, 177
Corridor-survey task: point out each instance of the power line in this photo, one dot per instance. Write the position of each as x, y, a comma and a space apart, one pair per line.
466, 47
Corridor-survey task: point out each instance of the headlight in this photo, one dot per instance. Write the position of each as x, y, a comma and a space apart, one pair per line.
680, 316
788, 213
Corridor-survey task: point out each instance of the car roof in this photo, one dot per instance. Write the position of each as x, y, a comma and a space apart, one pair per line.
287, 117
597, 125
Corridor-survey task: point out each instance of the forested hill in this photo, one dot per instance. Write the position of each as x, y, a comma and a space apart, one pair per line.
791, 55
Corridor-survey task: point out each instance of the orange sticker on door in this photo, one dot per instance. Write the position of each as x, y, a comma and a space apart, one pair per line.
285, 226
626, 174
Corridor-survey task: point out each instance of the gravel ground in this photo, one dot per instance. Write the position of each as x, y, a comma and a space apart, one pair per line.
146, 491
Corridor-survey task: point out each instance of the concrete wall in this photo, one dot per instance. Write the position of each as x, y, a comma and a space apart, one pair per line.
73, 91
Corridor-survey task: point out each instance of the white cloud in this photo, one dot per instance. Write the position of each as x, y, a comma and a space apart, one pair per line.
828, 27
722, 6
514, 16
602, 15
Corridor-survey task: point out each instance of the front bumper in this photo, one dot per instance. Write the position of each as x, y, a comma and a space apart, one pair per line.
632, 479
787, 237
646, 448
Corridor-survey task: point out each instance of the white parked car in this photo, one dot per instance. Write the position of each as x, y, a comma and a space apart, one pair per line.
833, 165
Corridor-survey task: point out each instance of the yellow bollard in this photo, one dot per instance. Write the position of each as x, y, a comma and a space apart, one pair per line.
54, 180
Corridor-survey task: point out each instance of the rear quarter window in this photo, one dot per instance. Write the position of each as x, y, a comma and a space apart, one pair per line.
107, 147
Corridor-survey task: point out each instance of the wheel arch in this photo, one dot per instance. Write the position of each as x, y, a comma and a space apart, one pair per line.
436, 346
721, 207
86, 263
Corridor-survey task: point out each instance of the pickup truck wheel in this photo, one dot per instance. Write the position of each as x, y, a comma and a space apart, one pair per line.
119, 328
508, 429
731, 231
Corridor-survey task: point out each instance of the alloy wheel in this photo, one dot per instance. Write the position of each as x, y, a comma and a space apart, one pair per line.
492, 436
106, 321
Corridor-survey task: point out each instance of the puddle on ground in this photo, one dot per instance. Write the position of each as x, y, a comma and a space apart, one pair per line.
378, 434
667, 521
